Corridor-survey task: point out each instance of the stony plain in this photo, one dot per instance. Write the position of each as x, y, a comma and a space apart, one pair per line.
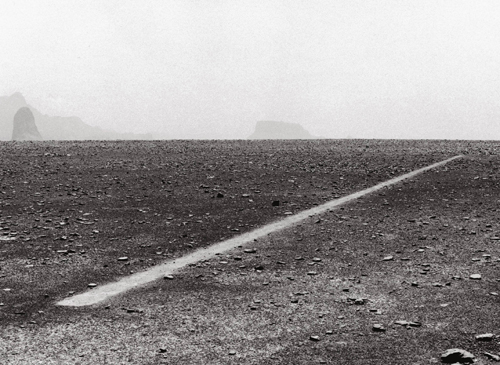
397, 277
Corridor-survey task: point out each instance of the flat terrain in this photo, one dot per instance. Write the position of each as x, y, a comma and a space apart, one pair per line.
70, 213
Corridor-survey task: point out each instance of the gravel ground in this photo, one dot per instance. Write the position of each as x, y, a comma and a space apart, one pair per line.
309, 294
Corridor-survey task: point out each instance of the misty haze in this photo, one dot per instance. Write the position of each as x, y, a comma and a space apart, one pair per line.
213, 69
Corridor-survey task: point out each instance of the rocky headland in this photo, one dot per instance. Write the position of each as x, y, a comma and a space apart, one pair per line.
24, 127
279, 130
55, 127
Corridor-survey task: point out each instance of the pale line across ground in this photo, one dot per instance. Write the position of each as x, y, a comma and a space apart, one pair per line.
101, 293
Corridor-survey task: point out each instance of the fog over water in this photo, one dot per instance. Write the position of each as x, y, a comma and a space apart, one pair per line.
213, 68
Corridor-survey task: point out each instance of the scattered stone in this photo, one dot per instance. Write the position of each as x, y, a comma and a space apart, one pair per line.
475, 277
312, 273
491, 356
316, 259
377, 327
162, 350
168, 277
485, 337
259, 267
249, 250
460, 356
92, 285
275, 203
388, 258
402, 323
314, 338
220, 195
123, 258
232, 352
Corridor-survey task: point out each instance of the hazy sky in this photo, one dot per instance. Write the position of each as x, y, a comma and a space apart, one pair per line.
211, 69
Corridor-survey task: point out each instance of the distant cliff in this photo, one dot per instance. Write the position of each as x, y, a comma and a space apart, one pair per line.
53, 127
279, 130
24, 127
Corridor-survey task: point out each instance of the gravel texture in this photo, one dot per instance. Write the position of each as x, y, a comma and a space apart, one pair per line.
316, 293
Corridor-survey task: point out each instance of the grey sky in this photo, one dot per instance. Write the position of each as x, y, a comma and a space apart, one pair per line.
211, 69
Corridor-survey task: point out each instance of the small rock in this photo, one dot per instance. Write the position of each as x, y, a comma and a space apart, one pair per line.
378, 328
249, 250
402, 323
162, 350
259, 267
220, 195
485, 337
314, 338
475, 277
168, 277
388, 258
312, 273
452, 356
275, 203
232, 352
491, 356
123, 258
92, 285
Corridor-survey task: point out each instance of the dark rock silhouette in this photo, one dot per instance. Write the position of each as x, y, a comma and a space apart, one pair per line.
55, 127
279, 130
24, 126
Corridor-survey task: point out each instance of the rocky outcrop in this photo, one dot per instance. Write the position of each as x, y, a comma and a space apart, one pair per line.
54, 127
24, 126
279, 130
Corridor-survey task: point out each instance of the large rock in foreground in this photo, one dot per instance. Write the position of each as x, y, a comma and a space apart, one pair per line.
279, 130
24, 126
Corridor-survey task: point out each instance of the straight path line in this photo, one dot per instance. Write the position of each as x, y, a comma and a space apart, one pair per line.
106, 291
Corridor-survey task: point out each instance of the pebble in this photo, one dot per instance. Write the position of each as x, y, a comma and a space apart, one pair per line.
314, 338
452, 356
475, 277
491, 356
388, 258
168, 277
123, 258
485, 337
232, 352
249, 250
402, 323
378, 328
92, 285
312, 273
